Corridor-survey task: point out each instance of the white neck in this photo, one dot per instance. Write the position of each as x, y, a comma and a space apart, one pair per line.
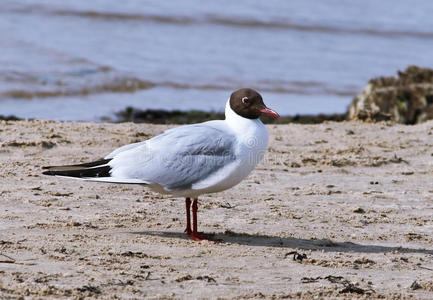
237, 122
251, 134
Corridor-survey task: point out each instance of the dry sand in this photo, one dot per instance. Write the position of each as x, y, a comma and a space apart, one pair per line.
354, 200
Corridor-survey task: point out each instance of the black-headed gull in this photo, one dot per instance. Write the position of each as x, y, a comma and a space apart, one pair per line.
190, 160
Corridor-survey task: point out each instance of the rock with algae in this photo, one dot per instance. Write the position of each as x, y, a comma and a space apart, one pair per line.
406, 99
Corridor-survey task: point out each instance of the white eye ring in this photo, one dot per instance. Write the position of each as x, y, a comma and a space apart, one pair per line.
245, 100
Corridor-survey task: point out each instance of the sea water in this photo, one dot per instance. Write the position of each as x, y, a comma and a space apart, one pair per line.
84, 60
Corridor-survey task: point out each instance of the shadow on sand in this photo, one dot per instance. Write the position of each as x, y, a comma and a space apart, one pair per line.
326, 245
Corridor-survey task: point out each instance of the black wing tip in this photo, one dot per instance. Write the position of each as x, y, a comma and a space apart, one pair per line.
103, 171
95, 163
97, 168
51, 172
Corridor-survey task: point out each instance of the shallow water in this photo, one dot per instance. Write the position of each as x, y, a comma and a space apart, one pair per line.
83, 60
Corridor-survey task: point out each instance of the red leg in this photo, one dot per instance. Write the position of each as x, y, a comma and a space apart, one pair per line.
188, 216
194, 234
194, 216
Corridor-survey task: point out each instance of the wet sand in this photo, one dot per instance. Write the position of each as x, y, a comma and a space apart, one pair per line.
336, 210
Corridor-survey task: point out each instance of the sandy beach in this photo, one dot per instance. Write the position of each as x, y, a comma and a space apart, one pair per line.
336, 210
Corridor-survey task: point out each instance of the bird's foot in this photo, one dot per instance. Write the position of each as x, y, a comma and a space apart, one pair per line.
200, 236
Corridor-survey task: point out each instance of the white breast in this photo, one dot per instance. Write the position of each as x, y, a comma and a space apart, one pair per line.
252, 141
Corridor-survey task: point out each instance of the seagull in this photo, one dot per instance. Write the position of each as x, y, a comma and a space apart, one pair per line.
190, 160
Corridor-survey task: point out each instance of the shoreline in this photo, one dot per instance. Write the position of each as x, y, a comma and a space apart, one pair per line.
159, 116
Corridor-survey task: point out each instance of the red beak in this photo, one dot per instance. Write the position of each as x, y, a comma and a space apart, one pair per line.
269, 112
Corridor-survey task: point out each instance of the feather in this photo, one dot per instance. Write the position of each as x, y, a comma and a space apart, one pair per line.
98, 168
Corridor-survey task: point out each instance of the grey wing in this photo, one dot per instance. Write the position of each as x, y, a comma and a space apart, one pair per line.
177, 158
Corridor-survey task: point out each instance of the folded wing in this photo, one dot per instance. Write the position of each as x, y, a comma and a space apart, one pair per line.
177, 158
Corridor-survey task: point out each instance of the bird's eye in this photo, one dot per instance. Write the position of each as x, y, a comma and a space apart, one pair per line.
245, 100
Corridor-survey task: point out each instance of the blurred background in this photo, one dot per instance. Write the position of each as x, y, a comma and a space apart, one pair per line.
87, 60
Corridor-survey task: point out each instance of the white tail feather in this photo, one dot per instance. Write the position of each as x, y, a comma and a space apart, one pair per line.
117, 180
